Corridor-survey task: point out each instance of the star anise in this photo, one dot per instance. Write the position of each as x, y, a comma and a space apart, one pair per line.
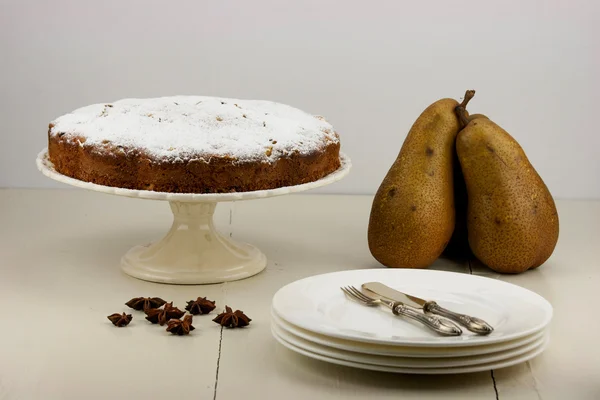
232, 319
200, 306
145, 303
120, 319
179, 327
162, 315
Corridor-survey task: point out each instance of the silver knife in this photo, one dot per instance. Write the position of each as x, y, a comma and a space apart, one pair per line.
473, 324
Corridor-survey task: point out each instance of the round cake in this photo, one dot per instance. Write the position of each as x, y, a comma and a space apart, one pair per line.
193, 144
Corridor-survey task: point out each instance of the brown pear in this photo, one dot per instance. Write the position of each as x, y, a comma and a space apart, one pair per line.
512, 221
412, 215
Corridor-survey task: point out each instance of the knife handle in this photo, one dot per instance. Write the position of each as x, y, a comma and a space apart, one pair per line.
473, 324
439, 325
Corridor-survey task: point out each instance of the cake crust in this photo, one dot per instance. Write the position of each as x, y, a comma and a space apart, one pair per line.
135, 170
192, 144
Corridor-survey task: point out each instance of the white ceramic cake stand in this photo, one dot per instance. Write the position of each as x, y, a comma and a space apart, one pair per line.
193, 251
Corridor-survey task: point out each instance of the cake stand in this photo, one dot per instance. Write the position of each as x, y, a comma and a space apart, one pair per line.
193, 251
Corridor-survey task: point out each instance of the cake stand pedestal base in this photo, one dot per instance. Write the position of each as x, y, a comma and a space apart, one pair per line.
193, 252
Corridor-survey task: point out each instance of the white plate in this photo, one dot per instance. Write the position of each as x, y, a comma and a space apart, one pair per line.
318, 305
406, 362
403, 351
426, 371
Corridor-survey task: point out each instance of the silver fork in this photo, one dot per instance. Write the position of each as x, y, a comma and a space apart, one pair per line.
440, 325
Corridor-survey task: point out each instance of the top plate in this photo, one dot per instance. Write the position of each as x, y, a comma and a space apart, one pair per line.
317, 304
47, 168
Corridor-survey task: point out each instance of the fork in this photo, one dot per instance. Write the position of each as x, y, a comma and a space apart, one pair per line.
439, 325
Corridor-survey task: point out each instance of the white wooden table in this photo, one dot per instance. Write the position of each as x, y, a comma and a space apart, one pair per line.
60, 278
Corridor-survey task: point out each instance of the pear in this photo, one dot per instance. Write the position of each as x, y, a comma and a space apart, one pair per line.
412, 215
512, 221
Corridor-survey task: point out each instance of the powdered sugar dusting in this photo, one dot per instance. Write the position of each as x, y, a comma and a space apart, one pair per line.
198, 127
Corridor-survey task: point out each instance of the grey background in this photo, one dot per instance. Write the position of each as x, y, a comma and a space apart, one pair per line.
369, 67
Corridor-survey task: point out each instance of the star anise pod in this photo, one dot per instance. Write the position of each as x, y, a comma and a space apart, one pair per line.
162, 315
145, 303
200, 306
120, 319
232, 319
179, 327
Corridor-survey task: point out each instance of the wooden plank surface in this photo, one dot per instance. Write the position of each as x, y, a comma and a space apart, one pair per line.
60, 276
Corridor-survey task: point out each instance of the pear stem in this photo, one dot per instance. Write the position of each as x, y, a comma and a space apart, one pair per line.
469, 94
461, 112
461, 109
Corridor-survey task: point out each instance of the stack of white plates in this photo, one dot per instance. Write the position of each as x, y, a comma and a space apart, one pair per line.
313, 317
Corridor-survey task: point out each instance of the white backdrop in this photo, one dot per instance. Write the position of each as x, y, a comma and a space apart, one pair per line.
369, 66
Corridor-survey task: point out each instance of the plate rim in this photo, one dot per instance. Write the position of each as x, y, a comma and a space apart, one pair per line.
492, 357
307, 336
422, 371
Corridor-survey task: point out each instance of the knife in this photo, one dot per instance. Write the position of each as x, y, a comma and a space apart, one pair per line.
473, 324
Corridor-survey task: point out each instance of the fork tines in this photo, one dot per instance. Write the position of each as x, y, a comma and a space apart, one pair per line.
356, 294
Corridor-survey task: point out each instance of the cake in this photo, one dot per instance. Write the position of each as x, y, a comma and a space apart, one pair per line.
193, 144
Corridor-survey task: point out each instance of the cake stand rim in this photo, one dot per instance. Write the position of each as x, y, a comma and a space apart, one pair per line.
45, 167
